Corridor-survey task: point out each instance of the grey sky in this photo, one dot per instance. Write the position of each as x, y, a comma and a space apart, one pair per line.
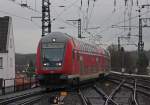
27, 33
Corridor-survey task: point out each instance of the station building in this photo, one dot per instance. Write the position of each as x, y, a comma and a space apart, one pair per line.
7, 51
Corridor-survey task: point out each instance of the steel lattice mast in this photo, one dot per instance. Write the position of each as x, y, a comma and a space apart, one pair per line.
46, 21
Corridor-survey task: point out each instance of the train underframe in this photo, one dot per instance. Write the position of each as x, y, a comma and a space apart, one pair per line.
58, 81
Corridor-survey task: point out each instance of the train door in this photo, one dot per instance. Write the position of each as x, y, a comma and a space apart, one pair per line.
81, 64
75, 61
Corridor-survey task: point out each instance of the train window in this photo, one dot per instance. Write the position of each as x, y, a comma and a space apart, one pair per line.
81, 58
52, 54
78, 56
97, 59
90, 49
73, 54
53, 45
81, 67
84, 47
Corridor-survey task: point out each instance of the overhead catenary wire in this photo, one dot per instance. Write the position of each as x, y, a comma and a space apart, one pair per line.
108, 19
24, 18
20, 17
126, 20
90, 15
64, 21
27, 6
123, 21
134, 17
65, 9
87, 12
113, 38
62, 11
28, 19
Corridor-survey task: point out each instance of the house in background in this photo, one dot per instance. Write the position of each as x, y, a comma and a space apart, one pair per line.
7, 50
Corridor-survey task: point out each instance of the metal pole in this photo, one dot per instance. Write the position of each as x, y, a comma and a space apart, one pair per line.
46, 21
23, 83
140, 43
30, 82
79, 28
14, 84
3, 87
118, 43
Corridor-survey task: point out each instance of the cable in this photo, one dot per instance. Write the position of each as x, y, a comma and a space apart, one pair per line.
2, 11
90, 16
126, 20
58, 16
65, 9
85, 31
27, 19
87, 11
28, 7
115, 36
107, 19
132, 18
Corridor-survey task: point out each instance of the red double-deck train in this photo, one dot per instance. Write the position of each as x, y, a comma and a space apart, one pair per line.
62, 59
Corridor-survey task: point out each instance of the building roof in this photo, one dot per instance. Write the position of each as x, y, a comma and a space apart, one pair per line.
4, 22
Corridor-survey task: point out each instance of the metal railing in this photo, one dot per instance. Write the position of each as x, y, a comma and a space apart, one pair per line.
19, 84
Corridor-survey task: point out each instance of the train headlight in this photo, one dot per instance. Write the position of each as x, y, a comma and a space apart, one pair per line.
59, 64
54, 40
45, 64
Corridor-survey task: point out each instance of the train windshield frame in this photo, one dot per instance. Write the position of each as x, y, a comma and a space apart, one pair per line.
52, 55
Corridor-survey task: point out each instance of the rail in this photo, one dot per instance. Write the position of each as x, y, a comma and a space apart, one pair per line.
134, 94
100, 91
14, 98
114, 91
85, 101
29, 101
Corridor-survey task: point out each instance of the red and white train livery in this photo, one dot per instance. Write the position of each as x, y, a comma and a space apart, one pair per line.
63, 59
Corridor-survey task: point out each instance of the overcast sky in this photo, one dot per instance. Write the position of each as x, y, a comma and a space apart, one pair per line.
101, 15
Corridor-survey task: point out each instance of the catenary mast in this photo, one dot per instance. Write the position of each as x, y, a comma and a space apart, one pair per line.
46, 21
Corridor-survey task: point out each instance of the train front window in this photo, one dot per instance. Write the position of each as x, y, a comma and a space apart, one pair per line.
53, 55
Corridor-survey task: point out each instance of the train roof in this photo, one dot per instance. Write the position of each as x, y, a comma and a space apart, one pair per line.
60, 37
63, 37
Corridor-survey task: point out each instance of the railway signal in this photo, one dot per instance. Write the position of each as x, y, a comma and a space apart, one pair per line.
141, 43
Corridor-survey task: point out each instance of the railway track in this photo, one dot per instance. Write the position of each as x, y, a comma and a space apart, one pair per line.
14, 99
84, 99
140, 89
140, 86
29, 100
96, 96
127, 91
122, 91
